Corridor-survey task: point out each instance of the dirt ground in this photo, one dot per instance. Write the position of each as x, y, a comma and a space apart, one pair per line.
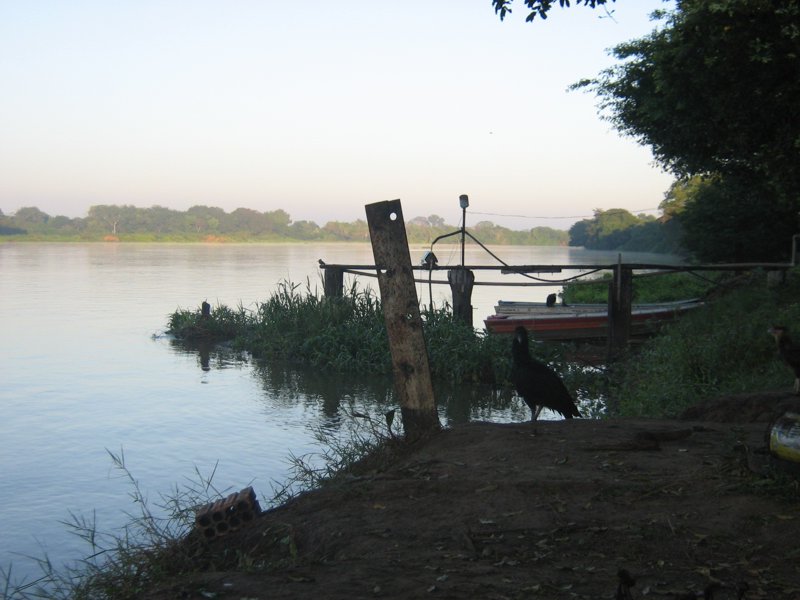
535, 510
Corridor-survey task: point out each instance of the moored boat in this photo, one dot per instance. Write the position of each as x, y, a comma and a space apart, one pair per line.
580, 321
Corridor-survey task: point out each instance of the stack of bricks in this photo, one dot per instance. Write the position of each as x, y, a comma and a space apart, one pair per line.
228, 514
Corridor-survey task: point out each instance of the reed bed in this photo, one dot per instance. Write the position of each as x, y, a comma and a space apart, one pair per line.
345, 334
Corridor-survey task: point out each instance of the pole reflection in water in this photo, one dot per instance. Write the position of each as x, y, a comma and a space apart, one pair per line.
339, 394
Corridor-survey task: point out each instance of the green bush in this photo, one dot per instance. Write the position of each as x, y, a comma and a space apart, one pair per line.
657, 287
721, 348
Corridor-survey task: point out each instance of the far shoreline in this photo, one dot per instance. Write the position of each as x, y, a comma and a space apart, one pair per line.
232, 241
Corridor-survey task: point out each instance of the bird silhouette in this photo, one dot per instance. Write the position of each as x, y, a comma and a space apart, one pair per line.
626, 582
788, 351
538, 385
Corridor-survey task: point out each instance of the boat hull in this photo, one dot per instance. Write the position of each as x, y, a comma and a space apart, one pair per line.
580, 322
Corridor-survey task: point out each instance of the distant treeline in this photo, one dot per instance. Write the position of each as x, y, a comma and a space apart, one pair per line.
614, 229
211, 224
619, 229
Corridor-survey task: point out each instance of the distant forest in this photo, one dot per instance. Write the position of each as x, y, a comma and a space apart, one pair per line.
211, 224
611, 229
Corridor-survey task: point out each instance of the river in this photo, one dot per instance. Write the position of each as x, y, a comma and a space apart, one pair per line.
85, 369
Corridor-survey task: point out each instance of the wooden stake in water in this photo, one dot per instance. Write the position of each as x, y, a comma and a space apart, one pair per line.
412, 376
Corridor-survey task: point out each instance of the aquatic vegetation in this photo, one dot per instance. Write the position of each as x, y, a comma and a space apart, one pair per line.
346, 334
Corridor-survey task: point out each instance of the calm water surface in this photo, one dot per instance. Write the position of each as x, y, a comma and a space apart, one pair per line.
84, 370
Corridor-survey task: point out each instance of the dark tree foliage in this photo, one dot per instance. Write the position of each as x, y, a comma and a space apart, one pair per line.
579, 233
716, 90
618, 229
730, 220
539, 7
715, 93
607, 230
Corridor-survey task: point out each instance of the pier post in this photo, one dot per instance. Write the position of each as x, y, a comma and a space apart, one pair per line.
620, 301
410, 366
333, 281
461, 281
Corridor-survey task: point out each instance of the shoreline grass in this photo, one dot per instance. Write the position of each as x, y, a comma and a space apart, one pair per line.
651, 287
719, 349
159, 540
120, 566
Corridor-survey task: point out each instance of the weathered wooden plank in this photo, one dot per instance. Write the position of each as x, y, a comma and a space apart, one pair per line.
461, 281
333, 282
412, 376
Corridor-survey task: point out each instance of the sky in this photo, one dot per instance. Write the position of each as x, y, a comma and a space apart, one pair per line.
317, 108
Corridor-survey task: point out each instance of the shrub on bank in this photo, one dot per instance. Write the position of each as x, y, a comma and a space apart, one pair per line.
721, 348
656, 287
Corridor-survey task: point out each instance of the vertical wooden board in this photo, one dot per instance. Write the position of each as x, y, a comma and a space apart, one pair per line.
461, 281
333, 281
412, 377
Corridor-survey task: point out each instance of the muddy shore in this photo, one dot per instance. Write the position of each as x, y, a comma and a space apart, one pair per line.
534, 510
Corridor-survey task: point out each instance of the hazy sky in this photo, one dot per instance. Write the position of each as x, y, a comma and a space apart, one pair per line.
317, 107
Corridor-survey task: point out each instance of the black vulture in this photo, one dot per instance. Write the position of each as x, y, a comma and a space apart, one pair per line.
788, 351
538, 385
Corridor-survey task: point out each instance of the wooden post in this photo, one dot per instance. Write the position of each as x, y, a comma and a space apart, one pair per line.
795, 249
620, 301
333, 282
412, 376
461, 282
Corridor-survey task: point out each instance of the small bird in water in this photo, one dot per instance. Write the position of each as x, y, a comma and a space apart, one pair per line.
788, 351
538, 385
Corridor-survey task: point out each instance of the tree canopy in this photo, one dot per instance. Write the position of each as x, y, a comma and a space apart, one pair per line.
731, 220
539, 7
619, 229
715, 93
716, 90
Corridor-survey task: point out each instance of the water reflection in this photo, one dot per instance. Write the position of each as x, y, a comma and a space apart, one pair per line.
209, 354
337, 395
333, 392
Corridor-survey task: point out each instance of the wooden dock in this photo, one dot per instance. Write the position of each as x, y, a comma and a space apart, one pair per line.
620, 291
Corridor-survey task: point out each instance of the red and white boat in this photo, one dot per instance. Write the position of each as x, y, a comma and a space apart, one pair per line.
580, 321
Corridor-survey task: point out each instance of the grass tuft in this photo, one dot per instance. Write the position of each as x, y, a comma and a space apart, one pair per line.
123, 565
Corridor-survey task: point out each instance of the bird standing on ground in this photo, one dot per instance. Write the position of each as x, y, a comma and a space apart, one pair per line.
538, 385
788, 351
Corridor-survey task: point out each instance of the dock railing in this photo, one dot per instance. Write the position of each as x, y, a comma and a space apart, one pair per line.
461, 280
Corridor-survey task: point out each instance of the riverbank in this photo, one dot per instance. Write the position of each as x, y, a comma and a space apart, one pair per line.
531, 510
